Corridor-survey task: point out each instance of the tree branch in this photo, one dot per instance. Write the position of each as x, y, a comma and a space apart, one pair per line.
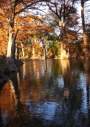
27, 6
52, 10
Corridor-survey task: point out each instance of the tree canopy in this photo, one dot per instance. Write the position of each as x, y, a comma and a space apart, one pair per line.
21, 20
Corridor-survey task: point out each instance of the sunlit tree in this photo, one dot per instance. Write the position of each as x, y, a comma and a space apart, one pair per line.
67, 18
10, 10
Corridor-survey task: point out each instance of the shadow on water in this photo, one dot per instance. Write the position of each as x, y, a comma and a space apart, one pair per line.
1, 121
47, 93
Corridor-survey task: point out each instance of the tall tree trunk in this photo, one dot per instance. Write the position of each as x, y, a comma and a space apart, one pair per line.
29, 49
10, 60
64, 19
22, 49
83, 23
61, 39
62, 32
13, 46
85, 49
10, 41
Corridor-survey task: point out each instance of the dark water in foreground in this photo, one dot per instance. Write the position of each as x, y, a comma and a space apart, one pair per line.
52, 93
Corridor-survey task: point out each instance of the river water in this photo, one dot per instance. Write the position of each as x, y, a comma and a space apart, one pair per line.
47, 93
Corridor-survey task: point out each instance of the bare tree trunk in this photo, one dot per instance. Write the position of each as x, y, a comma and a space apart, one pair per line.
61, 39
16, 51
64, 19
62, 30
29, 49
22, 50
86, 47
83, 23
13, 46
9, 42
10, 60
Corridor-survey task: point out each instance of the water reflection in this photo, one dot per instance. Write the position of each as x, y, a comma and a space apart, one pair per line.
47, 93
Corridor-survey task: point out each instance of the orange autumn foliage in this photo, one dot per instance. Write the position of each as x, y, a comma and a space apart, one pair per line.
14, 16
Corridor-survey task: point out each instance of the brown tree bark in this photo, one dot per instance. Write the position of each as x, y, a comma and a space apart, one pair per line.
85, 48
22, 49
13, 46
83, 23
10, 41
62, 30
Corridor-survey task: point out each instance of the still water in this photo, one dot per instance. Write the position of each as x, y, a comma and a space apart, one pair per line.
47, 93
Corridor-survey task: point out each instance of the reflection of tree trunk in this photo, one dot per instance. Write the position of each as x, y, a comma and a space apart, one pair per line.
87, 81
66, 76
19, 110
65, 65
1, 121
14, 85
45, 53
45, 64
24, 70
18, 78
86, 67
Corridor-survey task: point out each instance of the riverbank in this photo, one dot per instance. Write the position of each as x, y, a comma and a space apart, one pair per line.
7, 67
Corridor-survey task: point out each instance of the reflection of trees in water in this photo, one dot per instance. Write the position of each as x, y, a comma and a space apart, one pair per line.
87, 70
71, 105
12, 110
73, 101
56, 68
1, 121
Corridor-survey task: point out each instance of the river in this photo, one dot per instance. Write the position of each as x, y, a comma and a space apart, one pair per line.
47, 93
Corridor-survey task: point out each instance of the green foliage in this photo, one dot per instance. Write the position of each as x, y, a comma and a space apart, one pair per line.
53, 37
56, 67
26, 52
55, 47
26, 43
54, 44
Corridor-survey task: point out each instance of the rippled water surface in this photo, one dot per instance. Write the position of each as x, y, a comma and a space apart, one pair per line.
47, 93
